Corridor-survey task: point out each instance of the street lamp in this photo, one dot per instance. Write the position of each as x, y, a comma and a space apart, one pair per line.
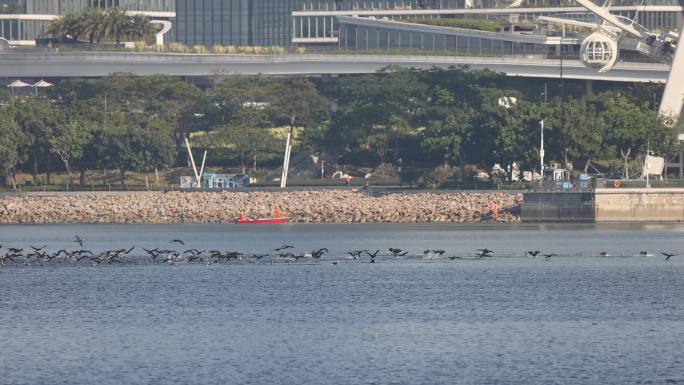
541, 153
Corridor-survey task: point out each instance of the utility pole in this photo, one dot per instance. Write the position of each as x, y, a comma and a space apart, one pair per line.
105, 110
541, 153
286, 160
648, 153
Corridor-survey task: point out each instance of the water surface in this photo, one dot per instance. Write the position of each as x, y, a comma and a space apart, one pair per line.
577, 319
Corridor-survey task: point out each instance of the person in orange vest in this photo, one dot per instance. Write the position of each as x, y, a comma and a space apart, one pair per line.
495, 212
242, 217
277, 213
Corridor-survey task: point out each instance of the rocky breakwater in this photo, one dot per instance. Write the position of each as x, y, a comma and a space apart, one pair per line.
314, 206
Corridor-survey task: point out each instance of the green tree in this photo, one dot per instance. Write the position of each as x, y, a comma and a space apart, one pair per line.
296, 102
384, 109
628, 128
37, 119
11, 141
139, 27
246, 113
68, 25
93, 24
448, 137
576, 130
117, 23
507, 134
155, 100
69, 141
129, 148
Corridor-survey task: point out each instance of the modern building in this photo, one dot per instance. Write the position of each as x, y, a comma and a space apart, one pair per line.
24, 21
234, 22
316, 23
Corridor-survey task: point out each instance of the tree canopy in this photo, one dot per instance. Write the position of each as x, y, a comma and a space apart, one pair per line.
418, 118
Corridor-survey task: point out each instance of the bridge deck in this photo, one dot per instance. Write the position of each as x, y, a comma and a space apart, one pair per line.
97, 64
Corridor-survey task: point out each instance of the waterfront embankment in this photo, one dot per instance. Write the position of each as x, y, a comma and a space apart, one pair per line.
314, 206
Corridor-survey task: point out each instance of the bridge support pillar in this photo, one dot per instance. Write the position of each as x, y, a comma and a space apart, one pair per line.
673, 98
590, 87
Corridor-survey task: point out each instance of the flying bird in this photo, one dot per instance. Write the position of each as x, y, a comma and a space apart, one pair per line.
372, 255
177, 241
668, 256
284, 247
356, 253
78, 240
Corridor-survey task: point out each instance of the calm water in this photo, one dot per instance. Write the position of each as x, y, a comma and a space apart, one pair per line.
505, 320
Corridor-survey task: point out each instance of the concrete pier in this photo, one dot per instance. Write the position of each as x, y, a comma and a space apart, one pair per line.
605, 205
639, 205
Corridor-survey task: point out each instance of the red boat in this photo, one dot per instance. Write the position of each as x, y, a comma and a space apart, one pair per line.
276, 220
261, 221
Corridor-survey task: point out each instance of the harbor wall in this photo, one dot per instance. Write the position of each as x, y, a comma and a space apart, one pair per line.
558, 206
639, 205
308, 206
605, 205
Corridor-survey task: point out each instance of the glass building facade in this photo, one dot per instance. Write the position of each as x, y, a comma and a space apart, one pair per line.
26, 20
234, 22
210, 22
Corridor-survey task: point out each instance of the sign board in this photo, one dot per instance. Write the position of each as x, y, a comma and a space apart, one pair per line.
188, 182
653, 165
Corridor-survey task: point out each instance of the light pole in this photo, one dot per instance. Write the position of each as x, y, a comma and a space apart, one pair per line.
648, 153
541, 153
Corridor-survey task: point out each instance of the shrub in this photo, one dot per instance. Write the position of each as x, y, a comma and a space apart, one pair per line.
442, 173
409, 175
179, 48
385, 169
139, 46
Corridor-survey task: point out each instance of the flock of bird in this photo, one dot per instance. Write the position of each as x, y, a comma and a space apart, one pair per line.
285, 253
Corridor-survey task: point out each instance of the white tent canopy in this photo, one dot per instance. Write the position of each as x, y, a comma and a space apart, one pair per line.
18, 84
43, 84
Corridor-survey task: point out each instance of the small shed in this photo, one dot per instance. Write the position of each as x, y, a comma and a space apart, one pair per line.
221, 181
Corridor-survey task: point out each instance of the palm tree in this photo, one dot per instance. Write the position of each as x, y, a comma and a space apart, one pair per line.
71, 23
56, 28
116, 23
140, 27
66, 26
93, 24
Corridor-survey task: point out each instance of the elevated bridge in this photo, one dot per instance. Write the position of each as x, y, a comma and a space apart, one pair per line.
98, 64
